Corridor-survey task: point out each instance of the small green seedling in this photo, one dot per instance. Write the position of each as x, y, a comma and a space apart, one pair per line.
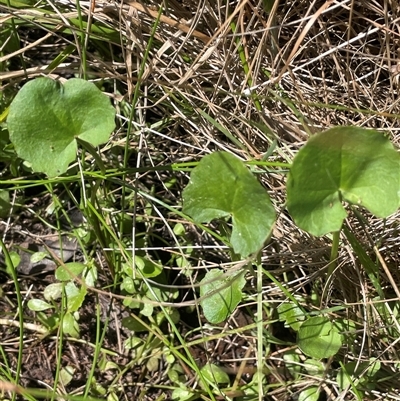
138, 294
214, 375
74, 297
317, 337
221, 294
309, 394
183, 393
359, 375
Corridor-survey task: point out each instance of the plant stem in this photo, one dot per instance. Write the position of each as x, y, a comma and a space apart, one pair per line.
334, 253
260, 331
12, 270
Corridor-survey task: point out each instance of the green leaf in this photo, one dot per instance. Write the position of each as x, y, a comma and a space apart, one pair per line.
310, 394
90, 276
221, 186
314, 368
349, 164
146, 309
173, 314
153, 363
182, 394
128, 284
169, 357
46, 118
226, 293
69, 271
75, 296
319, 338
179, 230
66, 375
70, 325
15, 259
147, 267
133, 324
53, 291
38, 305
112, 397
291, 314
214, 374
373, 367
133, 342
362, 373
38, 256
5, 205
292, 363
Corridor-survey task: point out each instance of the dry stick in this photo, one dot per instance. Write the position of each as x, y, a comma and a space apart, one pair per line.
241, 369
29, 326
390, 277
182, 26
24, 49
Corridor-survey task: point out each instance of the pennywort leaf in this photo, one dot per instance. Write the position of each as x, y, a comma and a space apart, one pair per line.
46, 118
222, 186
343, 164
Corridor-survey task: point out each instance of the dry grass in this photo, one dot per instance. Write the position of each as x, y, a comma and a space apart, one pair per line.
259, 76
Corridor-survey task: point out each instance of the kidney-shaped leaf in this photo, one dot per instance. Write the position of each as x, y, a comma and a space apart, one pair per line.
221, 294
220, 186
319, 338
350, 164
46, 117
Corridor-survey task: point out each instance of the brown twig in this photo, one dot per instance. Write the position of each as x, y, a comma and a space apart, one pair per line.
181, 25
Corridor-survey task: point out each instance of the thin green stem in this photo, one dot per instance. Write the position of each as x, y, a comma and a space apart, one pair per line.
60, 343
334, 253
136, 95
260, 332
245, 66
97, 349
81, 35
11, 269
369, 265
